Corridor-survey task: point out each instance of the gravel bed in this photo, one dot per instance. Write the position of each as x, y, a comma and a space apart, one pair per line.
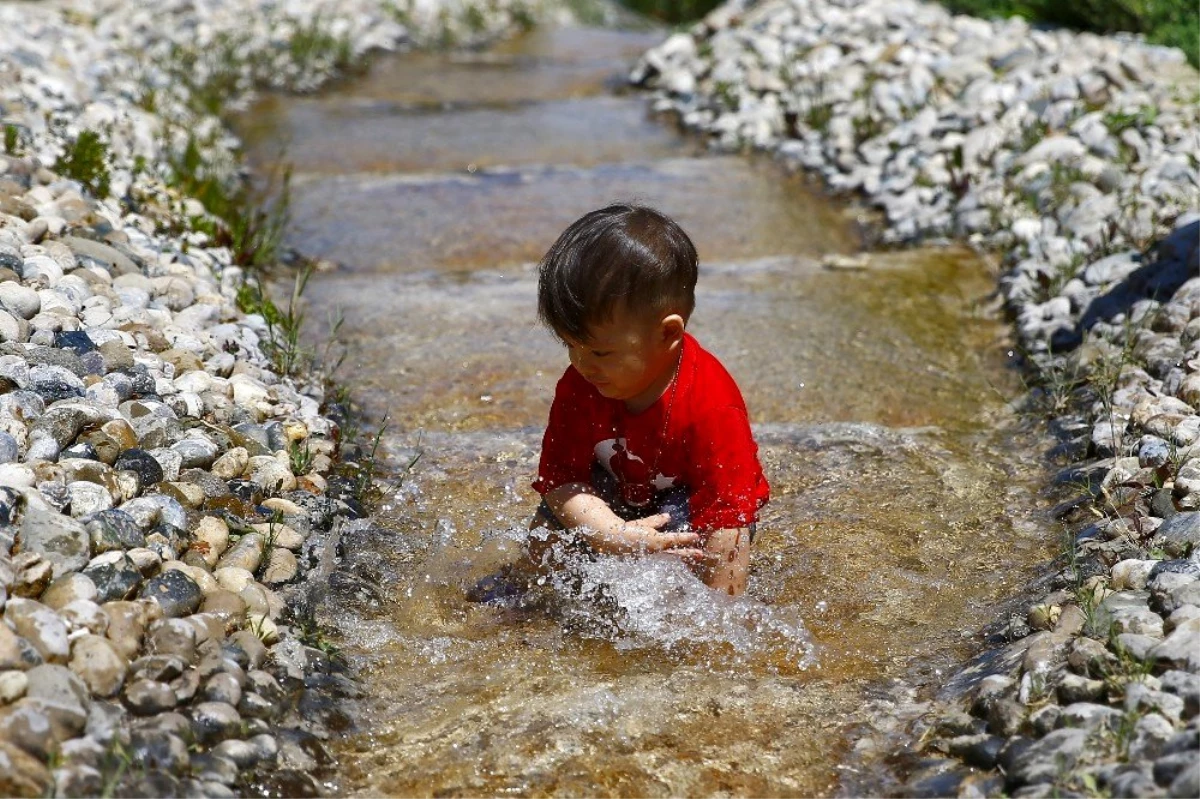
168, 499
1070, 160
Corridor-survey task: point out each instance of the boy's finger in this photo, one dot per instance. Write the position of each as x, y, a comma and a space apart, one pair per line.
689, 555
655, 521
672, 540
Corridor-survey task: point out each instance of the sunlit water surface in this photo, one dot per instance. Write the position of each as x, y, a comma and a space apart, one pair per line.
900, 489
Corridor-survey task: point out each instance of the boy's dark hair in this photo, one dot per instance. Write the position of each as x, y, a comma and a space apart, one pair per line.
624, 255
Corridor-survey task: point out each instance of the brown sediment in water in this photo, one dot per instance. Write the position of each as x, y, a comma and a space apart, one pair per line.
879, 399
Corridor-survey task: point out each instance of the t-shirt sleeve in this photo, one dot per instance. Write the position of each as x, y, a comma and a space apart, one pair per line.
566, 446
729, 486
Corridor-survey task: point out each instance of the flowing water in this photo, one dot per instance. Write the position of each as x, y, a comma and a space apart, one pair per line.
900, 489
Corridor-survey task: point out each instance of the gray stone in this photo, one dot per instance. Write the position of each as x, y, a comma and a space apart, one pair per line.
144, 512
245, 554
196, 452
22, 773
115, 576
27, 725
41, 627
143, 464
1153, 452
20, 300
1168, 768
266, 747
84, 615
98, 664
57, 684
67, 589
1187, 782
59, 539
222, 687
1186, 686
1181, 530
173, 636
106, 723
154, 749
1150, 734
214, 768
53, 383
1180, 649
16, 652
148, 697
175, 591
171, 512
111, 530
242, 753
1046, 759
10, 451
215, 721
1089, 715
78, 779
88, 498
170, 461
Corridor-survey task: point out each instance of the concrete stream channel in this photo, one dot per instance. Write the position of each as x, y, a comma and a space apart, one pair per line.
905, 491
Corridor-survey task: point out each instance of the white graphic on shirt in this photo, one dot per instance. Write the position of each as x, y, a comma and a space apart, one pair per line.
628, 464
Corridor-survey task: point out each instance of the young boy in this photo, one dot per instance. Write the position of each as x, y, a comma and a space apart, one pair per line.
648, 448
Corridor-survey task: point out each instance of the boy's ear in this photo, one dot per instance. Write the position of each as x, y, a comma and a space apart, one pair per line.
672, 327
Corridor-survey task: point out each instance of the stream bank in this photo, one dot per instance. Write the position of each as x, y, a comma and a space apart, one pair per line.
1071, 158
167, 463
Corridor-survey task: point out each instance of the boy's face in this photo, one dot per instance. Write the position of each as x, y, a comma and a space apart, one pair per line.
629, 357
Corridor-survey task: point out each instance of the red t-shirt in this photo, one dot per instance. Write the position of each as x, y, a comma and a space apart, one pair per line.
708, 448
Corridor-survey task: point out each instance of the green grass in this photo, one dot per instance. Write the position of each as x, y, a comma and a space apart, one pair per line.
85, 160
12, 140
1175, 23
249, 221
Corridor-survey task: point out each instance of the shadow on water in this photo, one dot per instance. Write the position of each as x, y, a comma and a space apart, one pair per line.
899, 478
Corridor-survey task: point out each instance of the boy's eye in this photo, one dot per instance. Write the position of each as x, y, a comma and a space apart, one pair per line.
601, 353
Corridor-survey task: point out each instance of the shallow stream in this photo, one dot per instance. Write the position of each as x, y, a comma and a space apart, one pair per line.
902, 489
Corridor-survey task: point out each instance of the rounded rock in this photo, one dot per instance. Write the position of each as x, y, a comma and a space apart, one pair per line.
215, 721
143, 464
69, 588
148, 697
97, 662
115, 576
175, 591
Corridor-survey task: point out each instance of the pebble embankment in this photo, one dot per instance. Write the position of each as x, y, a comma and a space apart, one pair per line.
1072, 158
166, 486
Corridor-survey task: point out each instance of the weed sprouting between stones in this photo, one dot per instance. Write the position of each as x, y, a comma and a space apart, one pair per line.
12, 140
85, 160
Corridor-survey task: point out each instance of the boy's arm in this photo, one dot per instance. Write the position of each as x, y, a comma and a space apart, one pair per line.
576, 505
726, 563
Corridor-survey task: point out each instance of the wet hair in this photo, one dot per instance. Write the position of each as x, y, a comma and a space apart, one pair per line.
624, 256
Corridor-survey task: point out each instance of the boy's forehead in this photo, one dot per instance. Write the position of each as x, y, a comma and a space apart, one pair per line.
618, 326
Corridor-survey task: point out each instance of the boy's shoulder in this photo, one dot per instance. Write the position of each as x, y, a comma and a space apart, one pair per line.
709, 382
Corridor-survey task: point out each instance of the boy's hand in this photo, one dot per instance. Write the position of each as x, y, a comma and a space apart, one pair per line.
643, 535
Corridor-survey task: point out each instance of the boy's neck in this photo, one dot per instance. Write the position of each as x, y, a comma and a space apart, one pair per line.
656, 389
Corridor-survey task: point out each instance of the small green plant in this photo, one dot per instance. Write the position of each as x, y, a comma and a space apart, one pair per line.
313, 42
474, 19
12, 139
282, 345
311, 634
364, 481
114, 764
1118, 122
249, 220
86, 160
300, 457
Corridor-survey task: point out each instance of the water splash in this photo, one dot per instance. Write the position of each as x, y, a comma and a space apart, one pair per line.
655, 602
